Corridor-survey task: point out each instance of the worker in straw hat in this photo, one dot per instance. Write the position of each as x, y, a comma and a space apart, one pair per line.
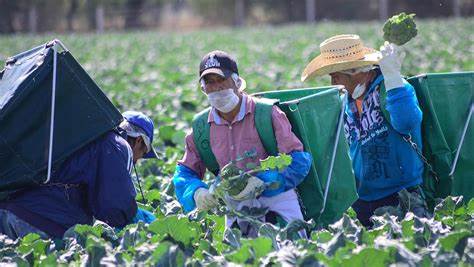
384, 162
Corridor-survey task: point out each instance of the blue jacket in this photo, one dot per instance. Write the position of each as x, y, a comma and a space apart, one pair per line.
100, 186
186, 181
383, 162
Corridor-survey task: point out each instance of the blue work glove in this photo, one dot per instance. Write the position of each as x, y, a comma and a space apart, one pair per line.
269, 177
186, 183
144, 216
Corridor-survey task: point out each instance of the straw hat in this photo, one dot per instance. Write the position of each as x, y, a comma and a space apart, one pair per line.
338, 53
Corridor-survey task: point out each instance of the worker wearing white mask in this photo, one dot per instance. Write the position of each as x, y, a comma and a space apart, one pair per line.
231, 134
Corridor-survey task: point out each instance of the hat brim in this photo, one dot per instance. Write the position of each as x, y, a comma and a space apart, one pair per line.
151, 154
242, 87
223, 73
320, 66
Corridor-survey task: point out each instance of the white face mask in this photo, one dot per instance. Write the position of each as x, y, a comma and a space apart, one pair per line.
358, 91
224, 100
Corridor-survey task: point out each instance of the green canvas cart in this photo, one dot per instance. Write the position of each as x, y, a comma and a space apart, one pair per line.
448, 134
316, 116
49, 108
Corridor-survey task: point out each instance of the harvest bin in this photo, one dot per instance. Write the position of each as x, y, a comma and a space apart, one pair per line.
314, 114
447, 100
82, 113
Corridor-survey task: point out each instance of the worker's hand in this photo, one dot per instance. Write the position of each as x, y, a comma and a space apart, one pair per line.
254, 188
275, 182
391, 65
204, 200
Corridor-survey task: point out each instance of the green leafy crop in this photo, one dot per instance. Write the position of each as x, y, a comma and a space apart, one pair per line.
400, 29
233, 179
177, 240
229, 170
155, 72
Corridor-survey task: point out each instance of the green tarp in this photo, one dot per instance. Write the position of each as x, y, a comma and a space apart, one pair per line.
314, 114
82, 114
446, 99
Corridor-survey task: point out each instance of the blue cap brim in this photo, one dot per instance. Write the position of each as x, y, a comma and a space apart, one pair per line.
151, 155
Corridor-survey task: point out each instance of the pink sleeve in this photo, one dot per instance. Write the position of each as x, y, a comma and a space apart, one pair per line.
286, 140
191, 157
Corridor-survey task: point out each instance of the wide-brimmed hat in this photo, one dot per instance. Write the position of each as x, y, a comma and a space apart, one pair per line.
338, 53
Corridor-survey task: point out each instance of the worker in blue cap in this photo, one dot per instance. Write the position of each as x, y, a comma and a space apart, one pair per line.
139, 128
94, 183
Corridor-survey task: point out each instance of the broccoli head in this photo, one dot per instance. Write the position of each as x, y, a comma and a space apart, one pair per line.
233, 179
229, 170
400, 29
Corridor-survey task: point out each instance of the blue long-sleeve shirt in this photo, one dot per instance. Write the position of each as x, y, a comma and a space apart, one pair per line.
186, 181
100, 187
383, 162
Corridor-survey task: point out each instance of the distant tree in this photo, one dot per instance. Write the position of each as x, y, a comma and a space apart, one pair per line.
295, 10
215, 11
71, 14
7, 11
96, 14
133, 13
383, 9
134, 10
239, 12
21, 15
310, 10
90, 7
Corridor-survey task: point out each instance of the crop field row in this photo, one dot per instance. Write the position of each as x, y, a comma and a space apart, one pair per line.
157, 73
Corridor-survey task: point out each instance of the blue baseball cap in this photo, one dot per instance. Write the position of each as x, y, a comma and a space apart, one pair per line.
144, 122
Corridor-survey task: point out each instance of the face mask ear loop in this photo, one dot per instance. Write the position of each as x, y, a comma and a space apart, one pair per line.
359, 90
236, 79
139, 184
364, 84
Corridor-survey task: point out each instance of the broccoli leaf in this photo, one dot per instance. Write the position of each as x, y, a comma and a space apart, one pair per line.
279, 162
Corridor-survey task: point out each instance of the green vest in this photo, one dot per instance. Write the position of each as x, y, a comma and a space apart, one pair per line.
263, 123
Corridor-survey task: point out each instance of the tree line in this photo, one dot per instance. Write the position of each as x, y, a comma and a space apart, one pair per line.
98, 15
